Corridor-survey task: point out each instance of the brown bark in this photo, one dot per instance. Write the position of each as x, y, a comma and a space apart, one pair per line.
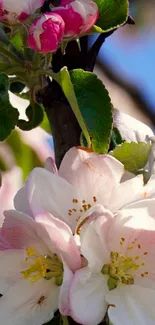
65, 128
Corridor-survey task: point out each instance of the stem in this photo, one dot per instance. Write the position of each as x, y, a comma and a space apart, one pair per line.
15, 79
48, 73
64, 320
10, 56
48, 60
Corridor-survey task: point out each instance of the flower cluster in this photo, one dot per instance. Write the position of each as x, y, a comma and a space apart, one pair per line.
71, 19
81, 240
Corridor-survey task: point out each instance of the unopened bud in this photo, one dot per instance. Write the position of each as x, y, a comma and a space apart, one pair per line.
46, 32
13, 11
79, 16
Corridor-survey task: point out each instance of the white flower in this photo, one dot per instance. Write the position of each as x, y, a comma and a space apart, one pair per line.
38, 259
120, 275
130, 128
83, 180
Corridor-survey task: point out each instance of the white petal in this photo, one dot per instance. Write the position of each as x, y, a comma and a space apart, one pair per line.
48, 192
126, 192
91, 174
149, 188
21, 202
25, 304
130, 128
87, 297
12, 263
132, 305
95, 251
72, 160
64, 305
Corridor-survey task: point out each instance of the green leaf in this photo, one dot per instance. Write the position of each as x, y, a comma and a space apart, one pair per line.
3, 37
64, 79
16, 41
25, 156
95, 106
112, 13
116, 139
133, 155
35, 115
8, 114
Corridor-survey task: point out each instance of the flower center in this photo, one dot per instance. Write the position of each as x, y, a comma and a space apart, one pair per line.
121, 269
46, 267
78, 210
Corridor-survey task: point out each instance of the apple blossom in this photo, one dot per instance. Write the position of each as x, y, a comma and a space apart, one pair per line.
38, 259
46, 32
79, 16
83, 180
130, 128
11, 182
120, 275
13, 11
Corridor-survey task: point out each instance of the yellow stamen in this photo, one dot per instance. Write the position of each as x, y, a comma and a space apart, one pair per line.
42, 266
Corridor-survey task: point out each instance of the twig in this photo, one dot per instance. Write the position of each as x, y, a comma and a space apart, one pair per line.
93, 52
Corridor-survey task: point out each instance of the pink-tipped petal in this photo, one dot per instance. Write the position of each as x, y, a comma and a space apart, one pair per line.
19, 230
46, 32
50, 165
64, 299
79, 16
59, 238
13, 12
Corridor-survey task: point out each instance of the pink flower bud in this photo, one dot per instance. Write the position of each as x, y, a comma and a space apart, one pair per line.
46, 32
11, 11
79, 16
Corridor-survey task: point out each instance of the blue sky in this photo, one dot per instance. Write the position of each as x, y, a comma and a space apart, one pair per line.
135, 58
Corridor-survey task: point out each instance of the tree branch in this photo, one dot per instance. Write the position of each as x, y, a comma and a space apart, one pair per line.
94, 50
65, 128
